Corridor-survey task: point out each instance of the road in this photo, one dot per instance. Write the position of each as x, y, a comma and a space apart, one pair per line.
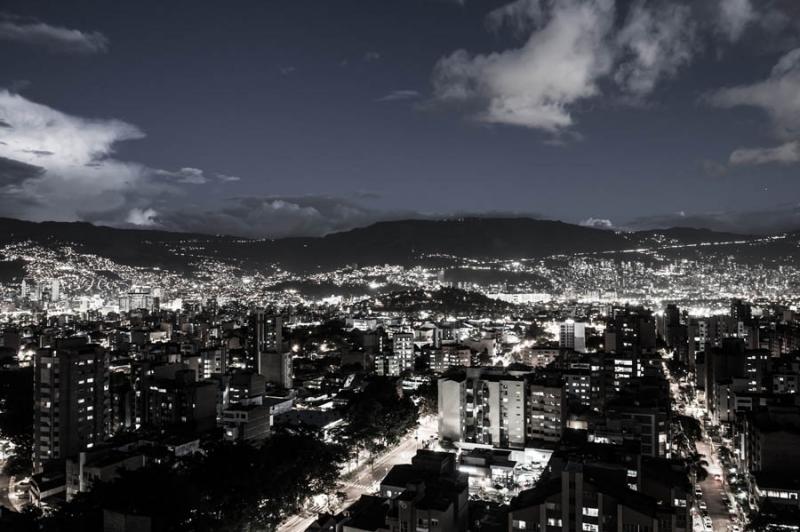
365, 479
4, 485
713, 489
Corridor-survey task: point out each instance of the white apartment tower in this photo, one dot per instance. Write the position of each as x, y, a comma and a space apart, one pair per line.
572, 335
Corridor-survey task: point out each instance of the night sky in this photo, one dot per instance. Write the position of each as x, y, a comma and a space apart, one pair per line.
287, 117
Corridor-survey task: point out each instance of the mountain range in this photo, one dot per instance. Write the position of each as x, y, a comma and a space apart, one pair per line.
394, 242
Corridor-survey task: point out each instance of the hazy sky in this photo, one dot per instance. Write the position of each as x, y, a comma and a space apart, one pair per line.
274, 117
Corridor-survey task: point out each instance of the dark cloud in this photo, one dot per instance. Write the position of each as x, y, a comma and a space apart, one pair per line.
372, 56
14, 173
277, 216
368, 194
3, 123
781, 219
186, 175
55, 39
284, 216
39, 153
14, 199
399, 95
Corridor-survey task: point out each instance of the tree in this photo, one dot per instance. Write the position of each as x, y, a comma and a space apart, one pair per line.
428, 398
20, 463
231, 487
379, 416
691, 427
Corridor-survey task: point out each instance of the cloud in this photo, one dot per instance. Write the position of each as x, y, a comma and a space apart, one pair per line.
535, 85
570, 52
779, 97
277, 216
194, 176
734, 17
654, 43
372, 56
286, 70
186, 175
518, 16
14, 173
597, 223
367, 194
143, 217
398, 95
54, 39
573, 49
76, 155
55, 166
39, 153
787, 153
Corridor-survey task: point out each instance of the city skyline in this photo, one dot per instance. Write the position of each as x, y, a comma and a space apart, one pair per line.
400, 266
305, 118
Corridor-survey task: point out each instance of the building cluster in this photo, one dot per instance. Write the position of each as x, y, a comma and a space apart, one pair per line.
567, 417
117, 393
747, 378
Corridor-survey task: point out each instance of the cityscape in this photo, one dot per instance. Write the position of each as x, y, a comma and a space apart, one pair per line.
400, 266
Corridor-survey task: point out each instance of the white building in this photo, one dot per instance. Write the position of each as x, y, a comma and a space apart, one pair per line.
572, 335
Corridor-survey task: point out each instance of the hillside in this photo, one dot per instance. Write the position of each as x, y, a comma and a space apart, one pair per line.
396, 242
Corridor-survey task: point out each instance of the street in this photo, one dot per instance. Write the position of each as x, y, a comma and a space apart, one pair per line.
366, 478
713, 489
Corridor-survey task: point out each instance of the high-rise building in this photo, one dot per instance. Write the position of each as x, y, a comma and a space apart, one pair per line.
138, 298
483, 406
546, 408
277, 369
631, 330
572, 335
265, 353
403, 350
180, 401
71, 401
55, 290
246, 387
265, 336
741, 311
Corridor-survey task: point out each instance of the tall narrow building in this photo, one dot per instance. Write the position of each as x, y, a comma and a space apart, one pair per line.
572, 335
266, 355
71, 401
